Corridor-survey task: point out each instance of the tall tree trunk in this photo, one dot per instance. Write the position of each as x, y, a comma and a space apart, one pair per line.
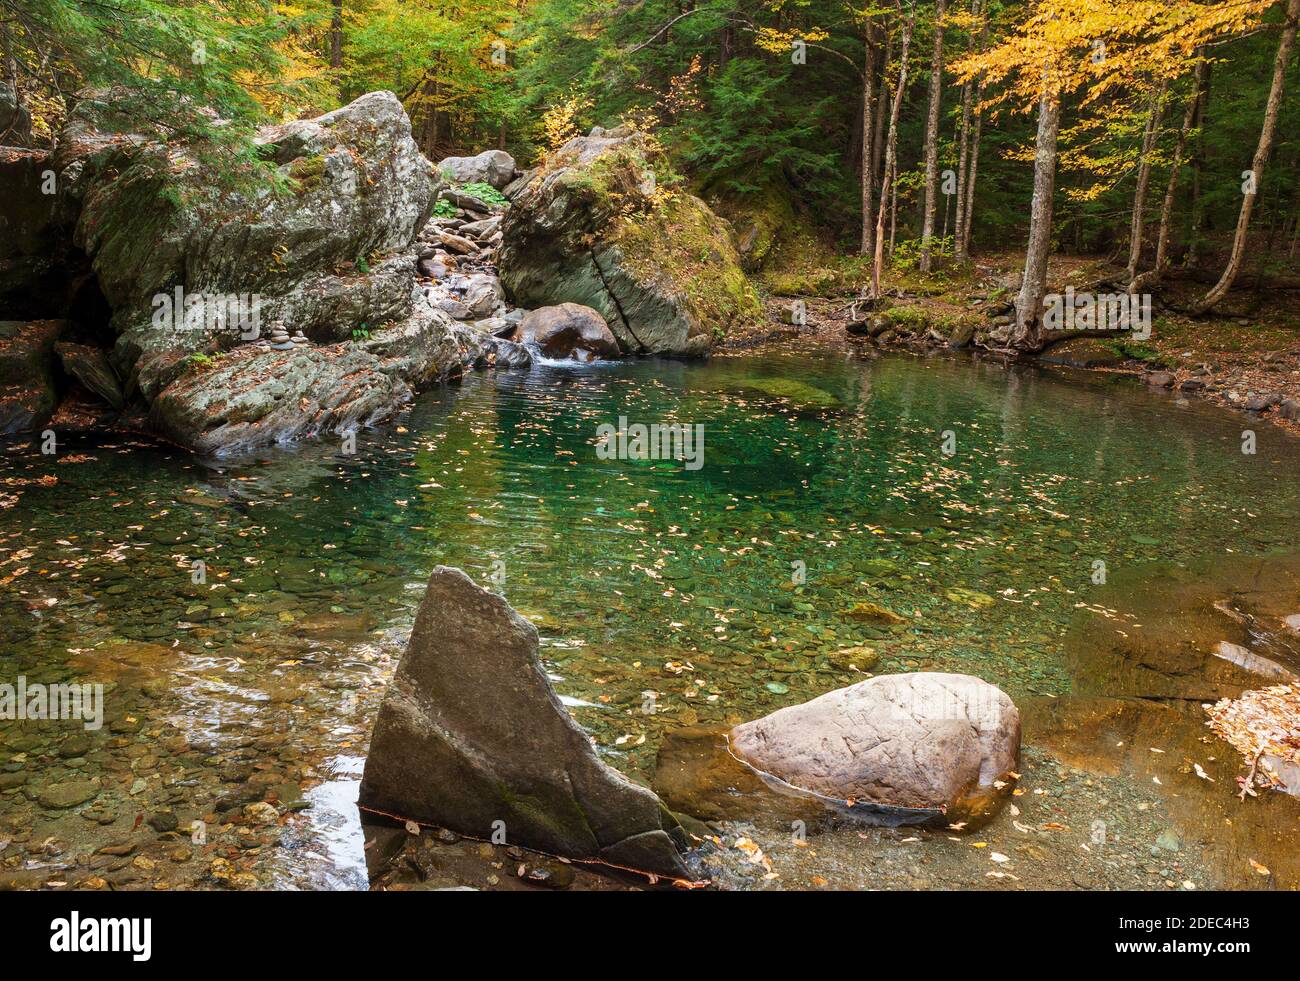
1196, 229
891, 153
963, 156
932, 137
1026, 335
884, 98
868, 244
1153, 275
1150, 135
893, 207
1262, 151
336, 35
964, 221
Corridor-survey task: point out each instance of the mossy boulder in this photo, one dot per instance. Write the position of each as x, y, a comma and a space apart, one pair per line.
762, 222
595, 226
320, 242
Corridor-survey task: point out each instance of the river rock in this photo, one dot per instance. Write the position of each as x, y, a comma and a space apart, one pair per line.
466, 201
471, 733
568, 331
67, 794
592, 228
483, 295
495, 167
28, 394
481, 229
924, 740
1255, 663
330, 258
458, 243
257, 397
90, 366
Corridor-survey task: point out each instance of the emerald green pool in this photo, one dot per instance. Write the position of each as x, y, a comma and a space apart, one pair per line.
651, 584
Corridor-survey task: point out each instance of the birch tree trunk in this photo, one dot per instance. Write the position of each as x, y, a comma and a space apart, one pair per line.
1026, 334
1153, 275
891, 152
1251, 184
884, 98
1150, 135
1196, 229
932, 138
868, 244
963, 155
964, 220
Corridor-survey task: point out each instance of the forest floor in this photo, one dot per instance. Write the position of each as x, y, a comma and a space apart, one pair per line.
1248, 350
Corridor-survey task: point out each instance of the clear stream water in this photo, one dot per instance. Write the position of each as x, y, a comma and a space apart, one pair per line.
646, 580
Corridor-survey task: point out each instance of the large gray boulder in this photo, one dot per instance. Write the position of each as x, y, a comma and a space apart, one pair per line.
495, 167
567, 331
327, 253
257, 396
593, 227
924, 740
197, 274
472, 737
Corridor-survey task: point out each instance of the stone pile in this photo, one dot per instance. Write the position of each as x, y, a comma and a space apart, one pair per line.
280, 339
457, 263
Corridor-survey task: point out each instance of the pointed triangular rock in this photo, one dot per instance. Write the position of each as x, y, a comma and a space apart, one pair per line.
471, 734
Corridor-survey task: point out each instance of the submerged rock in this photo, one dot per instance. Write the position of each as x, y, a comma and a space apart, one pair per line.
57, 796
568, 331
1200, 634
472, 737
1254, 663
1110, 737
910, 749
592, 227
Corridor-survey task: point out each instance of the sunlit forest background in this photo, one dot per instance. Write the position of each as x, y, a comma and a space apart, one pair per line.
760, 103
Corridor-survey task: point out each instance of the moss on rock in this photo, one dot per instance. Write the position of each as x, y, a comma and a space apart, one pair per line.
602, 224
